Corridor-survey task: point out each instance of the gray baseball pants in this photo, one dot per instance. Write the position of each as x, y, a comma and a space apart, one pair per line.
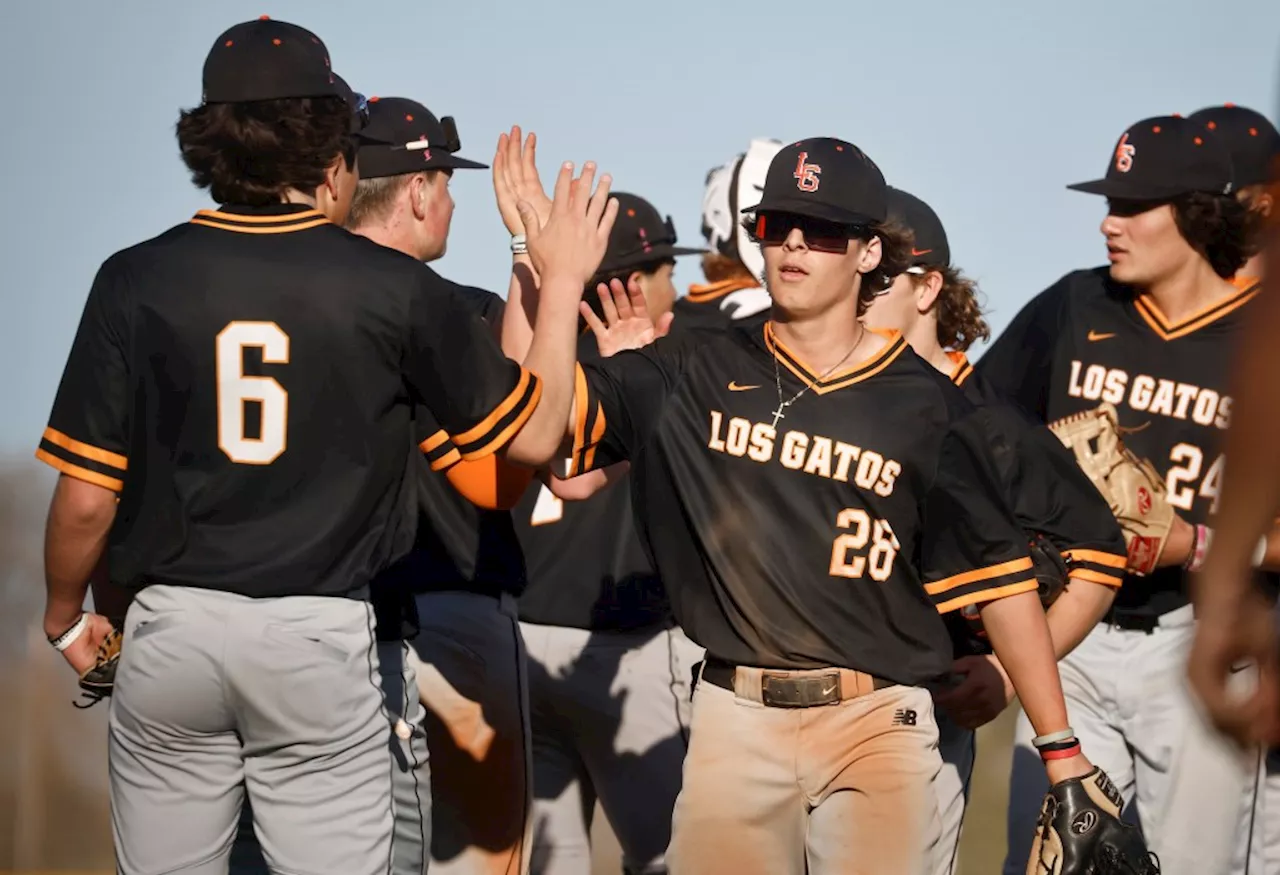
958, 747
218, 695
611, 714
410, 780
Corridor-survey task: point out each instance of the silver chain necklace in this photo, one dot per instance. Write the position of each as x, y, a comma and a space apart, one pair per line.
777, 376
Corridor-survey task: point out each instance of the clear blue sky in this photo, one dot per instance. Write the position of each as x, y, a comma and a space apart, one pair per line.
986, 108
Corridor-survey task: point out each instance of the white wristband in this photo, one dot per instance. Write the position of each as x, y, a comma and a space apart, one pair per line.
1050, 738
67, 638
1260, 551
519, 244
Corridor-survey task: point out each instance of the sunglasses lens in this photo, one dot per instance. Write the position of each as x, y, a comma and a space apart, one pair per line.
819, 234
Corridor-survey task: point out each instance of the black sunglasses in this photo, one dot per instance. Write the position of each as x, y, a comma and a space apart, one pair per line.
820, 235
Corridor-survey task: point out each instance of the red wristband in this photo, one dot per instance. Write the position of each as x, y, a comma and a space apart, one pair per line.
1066, 754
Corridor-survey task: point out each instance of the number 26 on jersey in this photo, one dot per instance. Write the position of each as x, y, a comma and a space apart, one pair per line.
236, 392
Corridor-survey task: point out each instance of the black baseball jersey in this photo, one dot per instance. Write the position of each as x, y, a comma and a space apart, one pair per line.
1045, 488
1087, 340
836, 537
458, 546
704, 306
245, 381
586, 567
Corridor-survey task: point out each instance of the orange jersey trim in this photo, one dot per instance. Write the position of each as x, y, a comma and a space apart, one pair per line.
520, 405
1095, 577
72, 470
947, 583
962, 370
703, 294
856, 373
1111, 560
988, 595
87, 451
1167, 329
263, 229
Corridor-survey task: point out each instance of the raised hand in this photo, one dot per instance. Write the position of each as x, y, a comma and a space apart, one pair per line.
571, 243
627, 323
515, 178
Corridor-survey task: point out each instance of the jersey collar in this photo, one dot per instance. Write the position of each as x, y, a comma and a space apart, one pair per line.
268, 219
855, 373
1167, 329
962, 369
702, 294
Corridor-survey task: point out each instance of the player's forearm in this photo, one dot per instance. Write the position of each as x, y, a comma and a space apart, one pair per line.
552, 356
80, 517
1076, 612
1019, 633
522, 300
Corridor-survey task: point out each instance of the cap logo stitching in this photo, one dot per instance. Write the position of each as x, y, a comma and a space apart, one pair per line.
1124, 154
806, 174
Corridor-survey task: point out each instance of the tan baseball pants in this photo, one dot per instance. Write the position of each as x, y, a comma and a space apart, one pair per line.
837, 789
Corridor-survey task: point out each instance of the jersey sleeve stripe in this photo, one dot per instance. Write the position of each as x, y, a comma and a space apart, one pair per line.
73, 470
1097, 557
1093, 576
507, 419
582, 407
979, 576
486, 426
597, 432
85, 451
445, 460
962, 600
440, 452
434, 442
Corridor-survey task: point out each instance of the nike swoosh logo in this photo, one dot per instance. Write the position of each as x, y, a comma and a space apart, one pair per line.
1094, 335
916, 253
734, 387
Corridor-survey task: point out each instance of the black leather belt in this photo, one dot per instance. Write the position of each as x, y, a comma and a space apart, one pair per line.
779, 691
1132, 621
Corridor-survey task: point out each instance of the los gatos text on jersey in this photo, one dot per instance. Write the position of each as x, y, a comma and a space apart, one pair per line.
812, 454
1151, 395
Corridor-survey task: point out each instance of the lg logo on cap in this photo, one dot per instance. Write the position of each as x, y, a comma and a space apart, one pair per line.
1124, 154
806, 174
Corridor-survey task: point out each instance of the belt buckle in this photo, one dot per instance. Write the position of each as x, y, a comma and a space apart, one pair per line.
780, 691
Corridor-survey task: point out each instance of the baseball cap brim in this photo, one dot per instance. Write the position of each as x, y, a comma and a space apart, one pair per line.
1121, 190
448, 159
813, 209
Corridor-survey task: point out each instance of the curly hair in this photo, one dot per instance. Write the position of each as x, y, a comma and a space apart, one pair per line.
895, 255
1221, 228
959, 313
252, 153
719, 268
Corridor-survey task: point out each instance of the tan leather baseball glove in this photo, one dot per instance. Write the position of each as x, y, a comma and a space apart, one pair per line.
1132, 486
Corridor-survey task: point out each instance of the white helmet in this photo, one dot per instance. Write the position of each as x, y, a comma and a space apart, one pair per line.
731, 187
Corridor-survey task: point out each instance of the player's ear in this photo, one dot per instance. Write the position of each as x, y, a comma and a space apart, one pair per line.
419, 194
869, 257
928, 287
1264, 203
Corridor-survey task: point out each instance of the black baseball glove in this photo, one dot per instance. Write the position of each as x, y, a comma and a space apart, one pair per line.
1050, 568
1080, 832
98, 679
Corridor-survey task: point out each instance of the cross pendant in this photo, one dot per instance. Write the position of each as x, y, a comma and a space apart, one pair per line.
777, 414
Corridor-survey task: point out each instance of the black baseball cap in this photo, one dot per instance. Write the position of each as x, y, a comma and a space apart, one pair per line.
410, 139
265, 59
1250, 137
1163, 157
359, 111
640, 236
930, 248
825, 178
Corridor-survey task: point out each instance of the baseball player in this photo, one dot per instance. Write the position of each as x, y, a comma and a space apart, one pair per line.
833, 497
1150, 335
249, 662
734, 267
466, 568
1209, 765
935, 307
609, 669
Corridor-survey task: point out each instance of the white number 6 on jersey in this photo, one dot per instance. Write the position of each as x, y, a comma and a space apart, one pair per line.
235, 390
